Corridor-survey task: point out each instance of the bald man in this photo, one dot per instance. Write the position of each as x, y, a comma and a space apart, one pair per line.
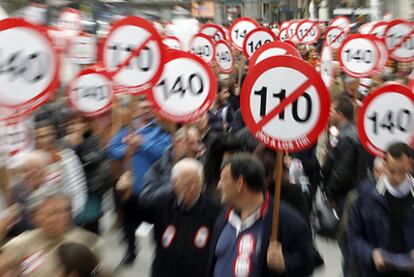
183, 220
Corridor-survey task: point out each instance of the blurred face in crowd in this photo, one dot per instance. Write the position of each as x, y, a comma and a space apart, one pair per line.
378, 169
45, 137
75, 125
54, 216
228, 186
302, 49
223, 96
201, 124
194, 143
397, 169
313, 55
334, 116
187, 186
145, 111
33, 172
351, 87
404, 67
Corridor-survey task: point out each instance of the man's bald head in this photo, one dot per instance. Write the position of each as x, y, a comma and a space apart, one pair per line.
34, 168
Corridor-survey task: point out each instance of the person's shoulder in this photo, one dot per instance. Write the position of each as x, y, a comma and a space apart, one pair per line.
25, 239
289, 215
210, 204
82, 236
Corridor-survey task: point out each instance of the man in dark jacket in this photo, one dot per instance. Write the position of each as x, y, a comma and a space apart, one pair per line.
382, 224
240, 244
341, 167
182, 220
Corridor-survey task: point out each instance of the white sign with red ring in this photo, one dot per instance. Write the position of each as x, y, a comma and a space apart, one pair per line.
29, 65
411, 81
133, 54
224, 56
285, 103
283, 35
292, 31
378, 29
187, 88
399, 40
18, 138
214, 31
366, 28
386, 116
256, 39
239, 31
84, 50
308, 32
272, 49
284, 25
91, 92
70, 22
203, 46
341, 22
359, 55
327, 69
172, 42
334, 37
383, 53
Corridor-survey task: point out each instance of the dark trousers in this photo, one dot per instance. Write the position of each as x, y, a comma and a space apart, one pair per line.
131, 223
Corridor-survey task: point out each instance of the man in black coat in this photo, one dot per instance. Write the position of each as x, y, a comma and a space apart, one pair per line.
183, 220
240, 244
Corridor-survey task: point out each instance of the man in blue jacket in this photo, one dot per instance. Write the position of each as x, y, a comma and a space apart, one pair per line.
383, 221
139, 148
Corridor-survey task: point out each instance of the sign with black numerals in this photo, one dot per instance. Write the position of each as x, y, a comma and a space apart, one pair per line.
186, 89
91, 92
28, 65
386, 116
172, 42
239, 31
283, 35
292, 31
378, 29
285, 103
308, 32
399, 40
359, 55
334, 37
256, 39
271, 49
133, 54
18, 137
83, 49
224, 56
214, 31
203, 46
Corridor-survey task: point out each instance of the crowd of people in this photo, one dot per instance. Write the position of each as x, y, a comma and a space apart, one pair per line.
207, 187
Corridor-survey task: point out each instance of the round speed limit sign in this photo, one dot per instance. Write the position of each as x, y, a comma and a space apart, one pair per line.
334, 37
399, 40
29, 65
186, 90
285, 103
133, 54
202, 45
240, 29
386, 116
308, 32
359, 55
283, 35
327, 69
256, 39
91, 92
213, 31
172, 42
224, 56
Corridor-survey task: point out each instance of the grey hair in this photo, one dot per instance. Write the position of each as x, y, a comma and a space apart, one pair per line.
378, 161
185, 165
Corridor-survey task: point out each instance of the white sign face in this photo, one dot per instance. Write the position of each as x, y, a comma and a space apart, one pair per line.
219, 35
308, 32
91, 93
18, 138
366, 28
239, 31
383, 54
379, 29
35, 14
388, 118
70, 22
126, 38
341, 22
28, 64
83, 50
327, 69
186, 90
256, 39
335, 36
284, 103
283, 35
202, 46
224, 56
292, 31
172, 43
284, 25
399, 39
359, 56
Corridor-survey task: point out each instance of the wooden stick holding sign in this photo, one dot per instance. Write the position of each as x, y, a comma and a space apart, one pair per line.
278, 188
